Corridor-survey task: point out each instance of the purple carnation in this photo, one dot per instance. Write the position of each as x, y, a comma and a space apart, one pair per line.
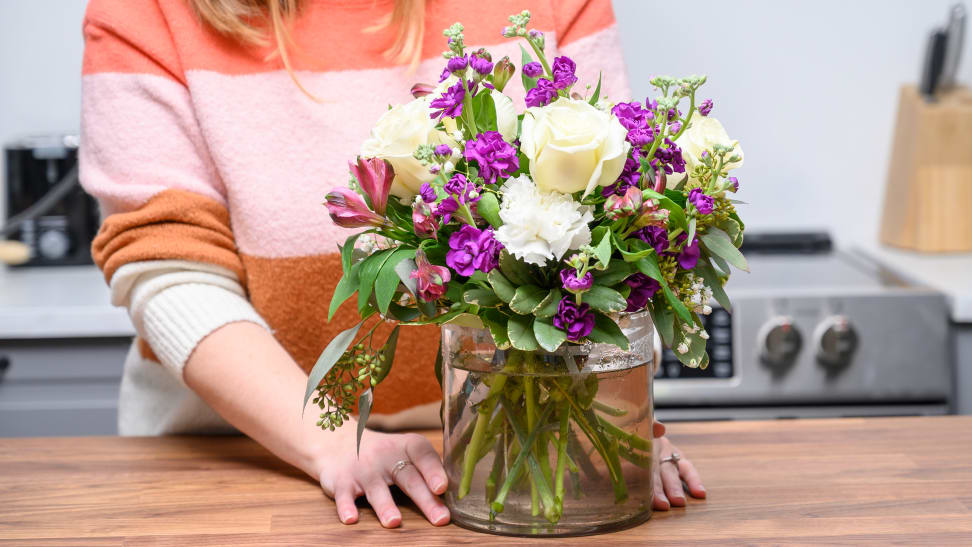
576, 321
705, 107
655, 236
481, 65
443, 150
450, 102
533, 70
457, 64
570, 281
643, 289
541, 95
471, 249
445, 209
563, 72
702, 202
496, 157
427, 192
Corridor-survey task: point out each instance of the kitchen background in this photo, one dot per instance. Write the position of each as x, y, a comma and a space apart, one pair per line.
811, 88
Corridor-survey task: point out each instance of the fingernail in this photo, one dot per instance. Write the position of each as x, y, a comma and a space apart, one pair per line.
346, 517
439, 485
440, 518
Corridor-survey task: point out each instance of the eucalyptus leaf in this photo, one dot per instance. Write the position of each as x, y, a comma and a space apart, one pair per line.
484, 298
694, 346
733, 230
721, 264
549, 305
520, 330
527, 298
345, 288
331, 354
402, 313
714, 282
719, 243
488, 208
364, 410
665, 323
501, 285
649, 266
616, 274
496, 322
388, 354
604, 299
606, 331
603, 248
691, 231
548, 336
387, 282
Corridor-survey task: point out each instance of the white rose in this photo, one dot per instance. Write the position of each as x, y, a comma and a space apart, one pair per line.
702, 134
396, 135
505, 113
540, 226
573, 146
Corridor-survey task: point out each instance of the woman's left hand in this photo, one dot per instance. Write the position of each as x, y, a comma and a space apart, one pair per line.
669, 474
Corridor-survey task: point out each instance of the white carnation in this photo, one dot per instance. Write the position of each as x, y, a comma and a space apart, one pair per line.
539, 226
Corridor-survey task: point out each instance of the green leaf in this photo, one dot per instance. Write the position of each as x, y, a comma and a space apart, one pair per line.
488, 208
665, 323
437, 367
693, 343
516, 271
606, 331
496, 322
603, 248
347, 250
676, 214
527, 298
649, 267
501, 285
387, 281
691, 231
388, 352
597, 90
549, 305
719, 243
331, 354
714, 282
525, 59
520, 330
721, 264
733, 230
402, 313
616, 274
485, 110
364, 410
484, 298
345, 288
735, 216
368, 275
604, 299
548, 336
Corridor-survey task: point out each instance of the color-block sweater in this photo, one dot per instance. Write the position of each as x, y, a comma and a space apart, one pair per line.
210, 167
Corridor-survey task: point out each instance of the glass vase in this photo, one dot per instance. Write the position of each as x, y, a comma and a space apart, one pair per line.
543, 443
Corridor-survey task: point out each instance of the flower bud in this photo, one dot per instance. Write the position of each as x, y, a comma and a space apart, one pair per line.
431, 280
483, 54
349, 210
651, 215
625, 205
421, 90
424, 221
502, 72
661, 180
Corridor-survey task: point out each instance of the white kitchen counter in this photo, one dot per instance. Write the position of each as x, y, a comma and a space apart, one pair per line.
58, 302
949, 273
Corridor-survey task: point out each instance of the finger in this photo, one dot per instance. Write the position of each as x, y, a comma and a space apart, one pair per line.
410, 481
673, 484
381, 501
659, 501
692, 479
344, 496
427, 461
657, 429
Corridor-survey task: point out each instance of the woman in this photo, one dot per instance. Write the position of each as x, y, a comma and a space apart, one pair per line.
210, 160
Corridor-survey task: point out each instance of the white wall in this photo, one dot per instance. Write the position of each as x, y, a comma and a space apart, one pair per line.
809, 88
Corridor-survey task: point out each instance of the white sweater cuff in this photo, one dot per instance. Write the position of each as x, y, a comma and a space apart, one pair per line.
177, 318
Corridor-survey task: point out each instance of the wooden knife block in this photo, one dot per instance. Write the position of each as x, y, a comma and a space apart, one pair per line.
928, 200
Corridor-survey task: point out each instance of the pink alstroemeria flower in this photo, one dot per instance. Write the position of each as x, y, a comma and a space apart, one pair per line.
661, 181
349, 210
425, 223
623, 206
431, 279
421, 90
375, 178
651, 215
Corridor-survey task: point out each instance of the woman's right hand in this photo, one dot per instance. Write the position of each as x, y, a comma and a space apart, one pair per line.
346, 476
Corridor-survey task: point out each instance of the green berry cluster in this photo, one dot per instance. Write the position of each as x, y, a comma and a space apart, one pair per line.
358, 369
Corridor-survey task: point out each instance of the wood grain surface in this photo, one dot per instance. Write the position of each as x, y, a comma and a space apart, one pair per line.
846, 481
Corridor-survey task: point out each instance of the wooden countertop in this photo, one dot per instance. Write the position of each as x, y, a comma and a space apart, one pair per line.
882, 480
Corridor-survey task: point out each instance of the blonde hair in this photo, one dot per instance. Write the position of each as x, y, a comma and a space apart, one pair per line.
247, 22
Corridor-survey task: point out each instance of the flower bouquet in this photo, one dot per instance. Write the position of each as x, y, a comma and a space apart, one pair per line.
548, 245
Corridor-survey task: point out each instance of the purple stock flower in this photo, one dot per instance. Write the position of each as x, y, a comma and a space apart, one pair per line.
445, 209
450, 102
443, 150
496, 157
675, 127
629, 177
576, 321
427, 192
702, 202
460, 188
471, 249
669, 157
705, 107
735, 183
541, 95
457, 64
640, 136
643, 289
445, 74
563, 72
655, 236
533, 70
689, 256
570, 281
631, 115
481, 65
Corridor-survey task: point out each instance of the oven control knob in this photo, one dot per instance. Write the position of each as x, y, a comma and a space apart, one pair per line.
836, 341
780, 343
53, 244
